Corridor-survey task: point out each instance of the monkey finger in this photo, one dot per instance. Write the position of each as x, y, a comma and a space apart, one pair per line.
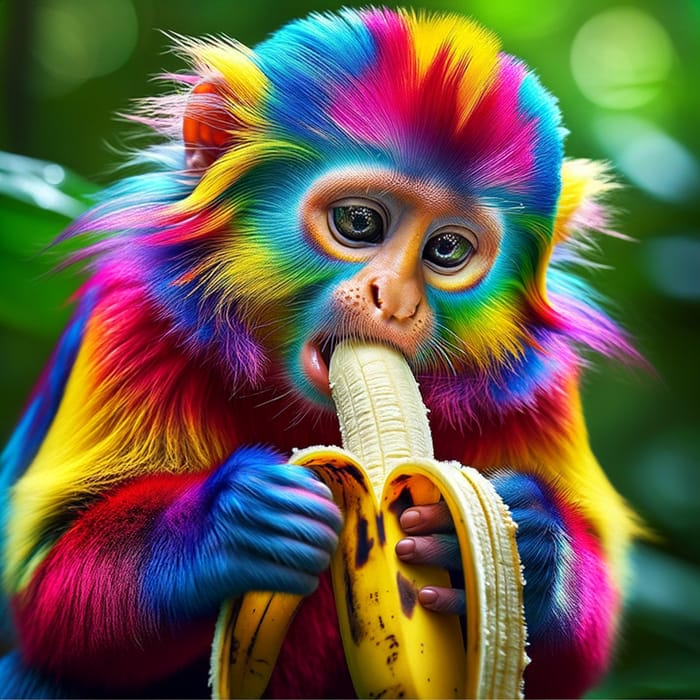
296, 555
446, 601
434, 550
313, 531
427, 519
263, 574
293, 476
304, 503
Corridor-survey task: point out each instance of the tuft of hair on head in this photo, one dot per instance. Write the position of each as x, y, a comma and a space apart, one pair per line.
582, 202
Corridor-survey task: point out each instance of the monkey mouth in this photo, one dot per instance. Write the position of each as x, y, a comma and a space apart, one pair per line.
315, 359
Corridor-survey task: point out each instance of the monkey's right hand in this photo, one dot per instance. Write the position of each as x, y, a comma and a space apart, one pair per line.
253, 524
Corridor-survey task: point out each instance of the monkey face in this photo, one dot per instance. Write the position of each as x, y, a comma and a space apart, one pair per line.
370, 253
400, 240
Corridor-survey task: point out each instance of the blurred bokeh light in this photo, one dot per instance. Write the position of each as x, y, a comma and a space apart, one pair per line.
649, 158
621, 58
77, 40
626, 75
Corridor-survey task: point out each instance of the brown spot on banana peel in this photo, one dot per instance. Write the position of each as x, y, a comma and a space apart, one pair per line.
338, 470
393, 642
357, 631
254, 636
407, 594
356, 474
381, 533
394, 691
233, 651
404, 500
364, 542
229, 633
392, 645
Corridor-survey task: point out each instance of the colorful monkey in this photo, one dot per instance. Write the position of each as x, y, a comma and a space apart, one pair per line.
377, 174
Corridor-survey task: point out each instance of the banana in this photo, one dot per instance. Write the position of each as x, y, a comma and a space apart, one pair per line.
261, 618
394, 647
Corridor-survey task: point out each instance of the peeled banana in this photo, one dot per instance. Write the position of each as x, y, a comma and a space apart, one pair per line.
394, 647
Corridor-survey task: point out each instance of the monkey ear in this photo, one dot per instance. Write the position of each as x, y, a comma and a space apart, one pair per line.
207, 124
581, 207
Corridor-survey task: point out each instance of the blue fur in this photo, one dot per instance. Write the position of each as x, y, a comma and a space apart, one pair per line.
331, 50
255, 524
193, 317
19, 681
534, 100
517, 383
544, 547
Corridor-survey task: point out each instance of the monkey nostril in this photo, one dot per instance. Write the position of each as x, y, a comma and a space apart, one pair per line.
374, 289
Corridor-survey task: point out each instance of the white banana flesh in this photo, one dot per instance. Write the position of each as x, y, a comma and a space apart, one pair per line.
381, 413
394, 647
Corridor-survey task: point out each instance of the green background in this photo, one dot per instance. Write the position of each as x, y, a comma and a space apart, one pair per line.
626, 74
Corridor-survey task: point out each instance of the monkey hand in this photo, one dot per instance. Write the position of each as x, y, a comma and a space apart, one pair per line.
431, 540
253, 524
541, 539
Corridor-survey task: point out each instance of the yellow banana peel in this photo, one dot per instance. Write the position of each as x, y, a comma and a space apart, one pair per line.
393, 646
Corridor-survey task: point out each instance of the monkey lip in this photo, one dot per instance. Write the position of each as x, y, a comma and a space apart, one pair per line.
315, 357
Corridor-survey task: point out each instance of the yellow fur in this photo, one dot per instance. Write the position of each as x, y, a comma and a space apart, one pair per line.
229, 60
101, 435
492, 336
581, 181
582, 481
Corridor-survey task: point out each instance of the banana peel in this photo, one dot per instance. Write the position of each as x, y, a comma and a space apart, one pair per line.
393, 646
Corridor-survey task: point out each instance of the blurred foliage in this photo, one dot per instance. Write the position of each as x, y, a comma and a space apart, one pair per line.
626, 76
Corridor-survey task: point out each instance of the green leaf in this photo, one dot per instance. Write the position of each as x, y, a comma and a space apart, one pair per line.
37, 201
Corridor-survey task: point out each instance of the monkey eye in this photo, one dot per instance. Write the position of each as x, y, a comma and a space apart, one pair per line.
448, 251
357, 224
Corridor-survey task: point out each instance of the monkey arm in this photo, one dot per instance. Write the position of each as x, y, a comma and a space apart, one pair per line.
128, 592
84, 615
574, 532
571, 601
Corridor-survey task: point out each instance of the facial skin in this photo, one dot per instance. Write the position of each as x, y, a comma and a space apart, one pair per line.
409, 235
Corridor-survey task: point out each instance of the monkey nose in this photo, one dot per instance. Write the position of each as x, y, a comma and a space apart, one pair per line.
396, 299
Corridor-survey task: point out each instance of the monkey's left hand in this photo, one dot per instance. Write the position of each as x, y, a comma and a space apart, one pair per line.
542, 536
567, 594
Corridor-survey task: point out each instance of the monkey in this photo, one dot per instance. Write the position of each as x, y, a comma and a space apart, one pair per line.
378, 174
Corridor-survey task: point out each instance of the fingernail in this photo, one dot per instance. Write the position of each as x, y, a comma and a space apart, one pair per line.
405, 547
427, 596
410, 518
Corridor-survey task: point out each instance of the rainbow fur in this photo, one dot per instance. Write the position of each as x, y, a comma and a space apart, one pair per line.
203, 289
